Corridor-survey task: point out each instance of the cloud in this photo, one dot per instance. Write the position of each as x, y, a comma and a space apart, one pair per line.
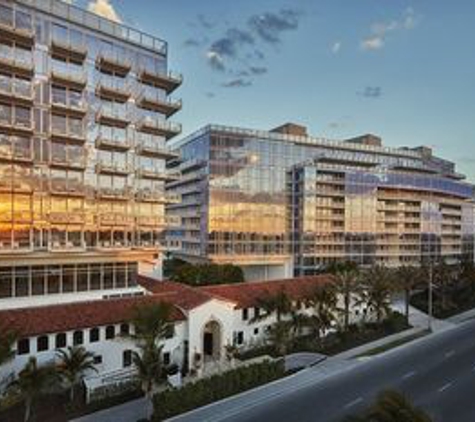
191, 42
336, 47
380, 30
258, 70
215, 61
237, 83
270, 26
105, 9
228, 46
373, 92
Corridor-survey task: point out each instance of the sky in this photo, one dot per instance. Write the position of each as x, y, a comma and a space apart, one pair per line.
401, 69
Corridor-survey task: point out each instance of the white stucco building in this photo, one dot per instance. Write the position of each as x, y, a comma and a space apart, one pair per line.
205, 320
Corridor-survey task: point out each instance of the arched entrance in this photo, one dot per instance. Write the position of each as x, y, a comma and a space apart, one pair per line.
212, 340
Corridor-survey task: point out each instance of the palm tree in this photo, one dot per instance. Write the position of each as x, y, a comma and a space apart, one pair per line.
408, 278
323, 301
151, 325
348, 285
32, 382
281, 305
74, 364
443, 279
377, 288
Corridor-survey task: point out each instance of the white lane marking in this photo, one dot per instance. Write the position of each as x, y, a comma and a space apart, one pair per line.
444, 387
408, 375
354, 402
450, 353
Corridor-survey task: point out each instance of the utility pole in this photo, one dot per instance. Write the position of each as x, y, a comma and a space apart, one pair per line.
431, 276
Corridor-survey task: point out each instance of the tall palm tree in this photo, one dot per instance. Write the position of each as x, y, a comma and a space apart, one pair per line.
408, 278
32, 382
151, 325
377, 288
348, 285
282, 306
323, 301
74, 364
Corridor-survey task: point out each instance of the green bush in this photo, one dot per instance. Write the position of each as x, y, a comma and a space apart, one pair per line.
175, 401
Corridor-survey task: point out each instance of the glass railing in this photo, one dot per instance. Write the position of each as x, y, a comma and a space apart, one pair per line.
68, 71
16, 87
108, 167
17, 57
75, 46
119, 85
113, 112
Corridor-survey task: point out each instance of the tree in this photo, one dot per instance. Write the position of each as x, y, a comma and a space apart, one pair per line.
7, 340
408, 278
74, 364
32, 382
348, 285
377, 287
443, 277
281, 305
323, 301
151, 325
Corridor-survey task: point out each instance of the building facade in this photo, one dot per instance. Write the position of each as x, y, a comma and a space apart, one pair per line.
84, 107
281, 199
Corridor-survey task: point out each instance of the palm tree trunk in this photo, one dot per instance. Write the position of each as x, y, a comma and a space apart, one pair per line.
347, 311
408, 298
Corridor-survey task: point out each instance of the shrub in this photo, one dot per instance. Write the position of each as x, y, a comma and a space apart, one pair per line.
172, 402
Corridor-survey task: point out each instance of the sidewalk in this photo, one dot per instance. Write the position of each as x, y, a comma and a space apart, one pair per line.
419, 319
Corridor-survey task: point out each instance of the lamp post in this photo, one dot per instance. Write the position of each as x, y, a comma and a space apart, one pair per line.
431, 276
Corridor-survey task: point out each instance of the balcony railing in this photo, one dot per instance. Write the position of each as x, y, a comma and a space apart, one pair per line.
24, 33
67, 75
155, 174
112, 144
151, 221
158, 197
11, 185
154, 102
65, 247
77, 137
66, 217
75, 108
16, 89
114, 219
168, 82
113, 168
173, 221
22, 125
119, 194
72, 191
10, 154
68, 163
114, 117
113, 62
153, 149
78, 51
159, 126
16, 60
113, 88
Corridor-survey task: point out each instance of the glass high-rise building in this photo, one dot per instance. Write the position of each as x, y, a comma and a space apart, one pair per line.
280, 202
84, 104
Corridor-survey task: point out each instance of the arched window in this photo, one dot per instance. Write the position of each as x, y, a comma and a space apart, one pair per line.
110, 332
124, 329
60, 340
23, 346
42, 343
93, 335
78, 338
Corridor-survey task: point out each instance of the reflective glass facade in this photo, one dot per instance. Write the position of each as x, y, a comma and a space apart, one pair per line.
251, 196
84, 107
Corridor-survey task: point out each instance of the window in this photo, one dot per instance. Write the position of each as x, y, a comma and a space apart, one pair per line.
97, 359
42, 343
78, 338
256, 331
239, 339
94, 335
257, 312
124, 329
60, 340
110, 332
23, 346
126, 358
166, 358
245, 314
170, 331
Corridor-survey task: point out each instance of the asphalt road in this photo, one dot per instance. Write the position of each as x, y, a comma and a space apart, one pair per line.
436, 372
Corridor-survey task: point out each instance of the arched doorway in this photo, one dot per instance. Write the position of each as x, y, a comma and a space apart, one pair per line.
212, 340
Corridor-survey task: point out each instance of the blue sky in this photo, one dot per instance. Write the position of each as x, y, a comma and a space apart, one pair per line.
404, 70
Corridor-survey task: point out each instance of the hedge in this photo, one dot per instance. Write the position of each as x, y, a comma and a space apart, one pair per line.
172, 402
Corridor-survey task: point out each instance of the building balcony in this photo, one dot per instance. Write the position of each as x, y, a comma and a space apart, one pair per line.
18, 216
76, 79
16, 90
7, 248
78, 109
76, 51
111, 89
113, 169
66, 247
150, 149
169, 82
113, 63
107, 245
154, 174
110, 117
68, 163
78, 138
173, 221
160, 127
17, 126
66, 218
151, 221
157, 197
115, 194
114, 219
68, 191
152, 102
111, 144
25, 34
10, 185
25, 157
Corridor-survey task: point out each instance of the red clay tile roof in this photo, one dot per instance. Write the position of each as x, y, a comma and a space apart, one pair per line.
246, 295
72, 316
183, 296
